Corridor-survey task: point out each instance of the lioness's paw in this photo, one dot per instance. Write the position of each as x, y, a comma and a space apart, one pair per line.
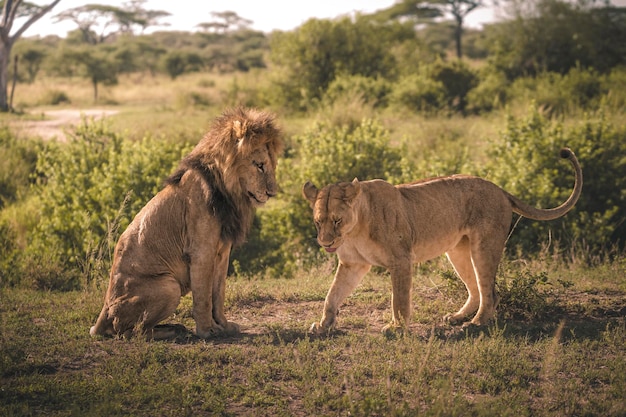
318, 330
232, 328
218, 330
394, 330
452, 319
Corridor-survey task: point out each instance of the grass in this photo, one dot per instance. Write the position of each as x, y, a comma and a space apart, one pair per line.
568, 361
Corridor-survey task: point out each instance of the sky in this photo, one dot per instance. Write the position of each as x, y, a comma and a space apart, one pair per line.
266, 15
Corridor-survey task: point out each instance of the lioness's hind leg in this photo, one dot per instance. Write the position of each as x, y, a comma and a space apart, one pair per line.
461, 260
486, 257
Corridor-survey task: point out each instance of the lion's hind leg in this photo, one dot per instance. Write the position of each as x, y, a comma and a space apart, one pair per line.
461, 260
140, 304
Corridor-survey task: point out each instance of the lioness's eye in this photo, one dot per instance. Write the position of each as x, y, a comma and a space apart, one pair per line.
337, 222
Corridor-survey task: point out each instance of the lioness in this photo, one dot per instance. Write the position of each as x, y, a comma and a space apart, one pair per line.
374, 223
181, 240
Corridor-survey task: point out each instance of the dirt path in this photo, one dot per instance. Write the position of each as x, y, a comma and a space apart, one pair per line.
55, 122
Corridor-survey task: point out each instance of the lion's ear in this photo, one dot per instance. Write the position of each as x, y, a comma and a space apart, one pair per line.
310, 191
239, 130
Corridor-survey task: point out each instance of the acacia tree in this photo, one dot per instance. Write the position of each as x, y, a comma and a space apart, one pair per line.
99, 22
421, 9
12, 9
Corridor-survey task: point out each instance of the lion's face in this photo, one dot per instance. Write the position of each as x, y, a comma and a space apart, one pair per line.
257, 174
334, 213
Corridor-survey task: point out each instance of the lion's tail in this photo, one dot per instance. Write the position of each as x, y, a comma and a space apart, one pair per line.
104, 325
525, 210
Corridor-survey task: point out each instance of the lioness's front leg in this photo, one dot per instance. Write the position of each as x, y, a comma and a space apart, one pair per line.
400, 296
347, 277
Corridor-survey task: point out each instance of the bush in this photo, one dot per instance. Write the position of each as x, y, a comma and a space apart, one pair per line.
53, 98
18, 158
457, 79
524, 162
372, 91
491, 93
418, 93
89, 190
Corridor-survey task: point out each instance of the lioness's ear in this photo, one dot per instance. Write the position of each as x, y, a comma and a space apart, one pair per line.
309, 191
352, 191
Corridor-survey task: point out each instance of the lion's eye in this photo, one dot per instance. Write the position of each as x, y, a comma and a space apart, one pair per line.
260, 166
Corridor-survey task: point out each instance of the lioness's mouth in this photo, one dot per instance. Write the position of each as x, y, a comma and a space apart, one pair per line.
330, 250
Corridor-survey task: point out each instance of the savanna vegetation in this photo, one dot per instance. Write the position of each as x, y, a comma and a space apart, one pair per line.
372, 96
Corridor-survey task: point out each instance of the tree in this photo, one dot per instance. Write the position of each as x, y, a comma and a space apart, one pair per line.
95, 64
313, 55
99, 22
555, 36
421, 9
12, 9
223, 21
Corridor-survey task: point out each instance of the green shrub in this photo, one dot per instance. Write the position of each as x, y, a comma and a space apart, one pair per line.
10, 271
418, 93
524, 162
54, 97
562, 94
372, 91
457, 79
491, 93
90, 189
18, 158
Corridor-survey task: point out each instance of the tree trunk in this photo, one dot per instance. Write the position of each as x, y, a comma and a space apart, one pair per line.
94, 82
15, 59
458, 35
5, 53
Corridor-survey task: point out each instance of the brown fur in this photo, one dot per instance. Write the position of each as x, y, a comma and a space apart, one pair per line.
181, 240
374, 223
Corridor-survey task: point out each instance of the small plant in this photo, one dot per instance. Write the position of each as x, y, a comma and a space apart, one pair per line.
54, 98
524, 296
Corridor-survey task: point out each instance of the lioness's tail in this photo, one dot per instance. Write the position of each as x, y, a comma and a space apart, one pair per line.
525, 210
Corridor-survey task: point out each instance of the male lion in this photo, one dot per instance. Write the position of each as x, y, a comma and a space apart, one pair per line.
181, 240
374, 223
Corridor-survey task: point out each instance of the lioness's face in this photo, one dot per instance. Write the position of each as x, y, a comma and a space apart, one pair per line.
258, 176
333, 212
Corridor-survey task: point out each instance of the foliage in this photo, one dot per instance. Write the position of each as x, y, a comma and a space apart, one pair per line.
372, 91
523, 162
17, 163
89, 190
555, 36
315, 54
418, 93
435, 86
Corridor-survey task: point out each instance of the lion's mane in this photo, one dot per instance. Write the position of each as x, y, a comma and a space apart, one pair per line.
218, 158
